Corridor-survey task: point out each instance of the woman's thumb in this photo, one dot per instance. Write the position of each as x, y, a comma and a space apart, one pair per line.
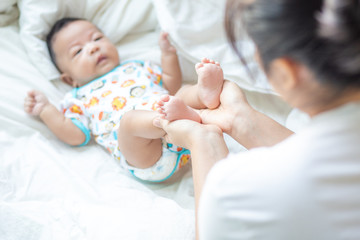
158, 122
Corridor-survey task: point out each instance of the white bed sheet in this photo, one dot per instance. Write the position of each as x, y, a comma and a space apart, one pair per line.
49, 190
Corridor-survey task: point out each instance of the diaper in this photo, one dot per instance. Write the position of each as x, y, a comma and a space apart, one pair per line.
172, 159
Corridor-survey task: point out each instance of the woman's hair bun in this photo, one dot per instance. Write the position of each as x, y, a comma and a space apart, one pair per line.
340, 21
339, 27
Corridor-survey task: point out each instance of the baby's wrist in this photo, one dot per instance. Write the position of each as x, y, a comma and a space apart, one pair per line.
45, 110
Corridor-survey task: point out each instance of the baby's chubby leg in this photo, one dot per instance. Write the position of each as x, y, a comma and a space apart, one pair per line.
164, 43
171, 74
139, 141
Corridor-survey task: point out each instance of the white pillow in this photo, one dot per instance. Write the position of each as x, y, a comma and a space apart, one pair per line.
115, 18
6, 4
8, 12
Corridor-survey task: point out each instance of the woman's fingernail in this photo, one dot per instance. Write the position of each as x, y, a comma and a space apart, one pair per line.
156, 122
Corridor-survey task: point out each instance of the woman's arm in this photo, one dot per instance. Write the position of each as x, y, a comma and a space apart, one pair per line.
254, 129
246, 125
205, 142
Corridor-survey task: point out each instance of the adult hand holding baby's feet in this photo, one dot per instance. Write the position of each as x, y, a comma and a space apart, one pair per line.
35, 102
233, 105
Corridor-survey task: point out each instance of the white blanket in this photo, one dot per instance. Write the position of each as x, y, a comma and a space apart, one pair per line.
49, 190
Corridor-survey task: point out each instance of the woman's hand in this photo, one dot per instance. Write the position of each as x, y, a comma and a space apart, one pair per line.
205, 142
232, 104
186, 133
237, 118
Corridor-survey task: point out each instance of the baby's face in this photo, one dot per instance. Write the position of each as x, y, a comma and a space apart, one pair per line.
83, 53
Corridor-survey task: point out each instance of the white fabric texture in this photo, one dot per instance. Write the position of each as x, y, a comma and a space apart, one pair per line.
5, 4
193, 25
307, 187
8, 12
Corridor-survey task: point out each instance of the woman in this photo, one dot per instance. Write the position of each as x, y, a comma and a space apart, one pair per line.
287, 186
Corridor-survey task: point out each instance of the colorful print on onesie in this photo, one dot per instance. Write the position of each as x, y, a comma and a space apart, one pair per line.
97, 107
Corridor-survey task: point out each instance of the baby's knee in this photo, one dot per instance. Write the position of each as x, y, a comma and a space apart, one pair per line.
127, 119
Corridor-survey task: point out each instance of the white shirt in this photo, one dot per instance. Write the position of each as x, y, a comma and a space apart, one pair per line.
305, 188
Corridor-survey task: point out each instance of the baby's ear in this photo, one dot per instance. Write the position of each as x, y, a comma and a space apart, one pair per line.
66, 78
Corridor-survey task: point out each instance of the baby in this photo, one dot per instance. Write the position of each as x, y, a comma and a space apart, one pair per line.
116, 103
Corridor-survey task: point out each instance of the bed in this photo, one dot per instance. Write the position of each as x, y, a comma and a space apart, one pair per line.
49, 190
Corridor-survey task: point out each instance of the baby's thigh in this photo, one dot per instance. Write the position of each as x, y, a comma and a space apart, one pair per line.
139, 141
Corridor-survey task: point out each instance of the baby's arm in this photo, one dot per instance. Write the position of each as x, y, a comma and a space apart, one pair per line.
37, 104
172, 78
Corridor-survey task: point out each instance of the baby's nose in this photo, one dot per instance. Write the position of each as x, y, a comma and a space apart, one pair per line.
93, 48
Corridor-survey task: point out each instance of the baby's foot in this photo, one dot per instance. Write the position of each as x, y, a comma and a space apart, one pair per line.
210, 82
173, 108
165, 44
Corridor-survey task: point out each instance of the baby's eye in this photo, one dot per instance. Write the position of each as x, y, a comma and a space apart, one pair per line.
98, 38
78, 51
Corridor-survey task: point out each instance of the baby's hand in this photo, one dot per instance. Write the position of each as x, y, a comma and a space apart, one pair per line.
165, 44
35, 102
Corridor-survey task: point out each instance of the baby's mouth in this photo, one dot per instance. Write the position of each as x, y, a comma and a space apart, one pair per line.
100, 59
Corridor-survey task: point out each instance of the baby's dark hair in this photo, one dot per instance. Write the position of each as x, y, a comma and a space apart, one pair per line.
324, 35
59, 24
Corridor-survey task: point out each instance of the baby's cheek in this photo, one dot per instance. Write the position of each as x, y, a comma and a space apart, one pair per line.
87, 70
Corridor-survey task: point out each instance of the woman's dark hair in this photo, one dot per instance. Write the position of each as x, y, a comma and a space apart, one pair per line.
60, 24
324, 35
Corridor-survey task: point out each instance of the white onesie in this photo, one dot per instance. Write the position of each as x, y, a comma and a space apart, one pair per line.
97, 107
